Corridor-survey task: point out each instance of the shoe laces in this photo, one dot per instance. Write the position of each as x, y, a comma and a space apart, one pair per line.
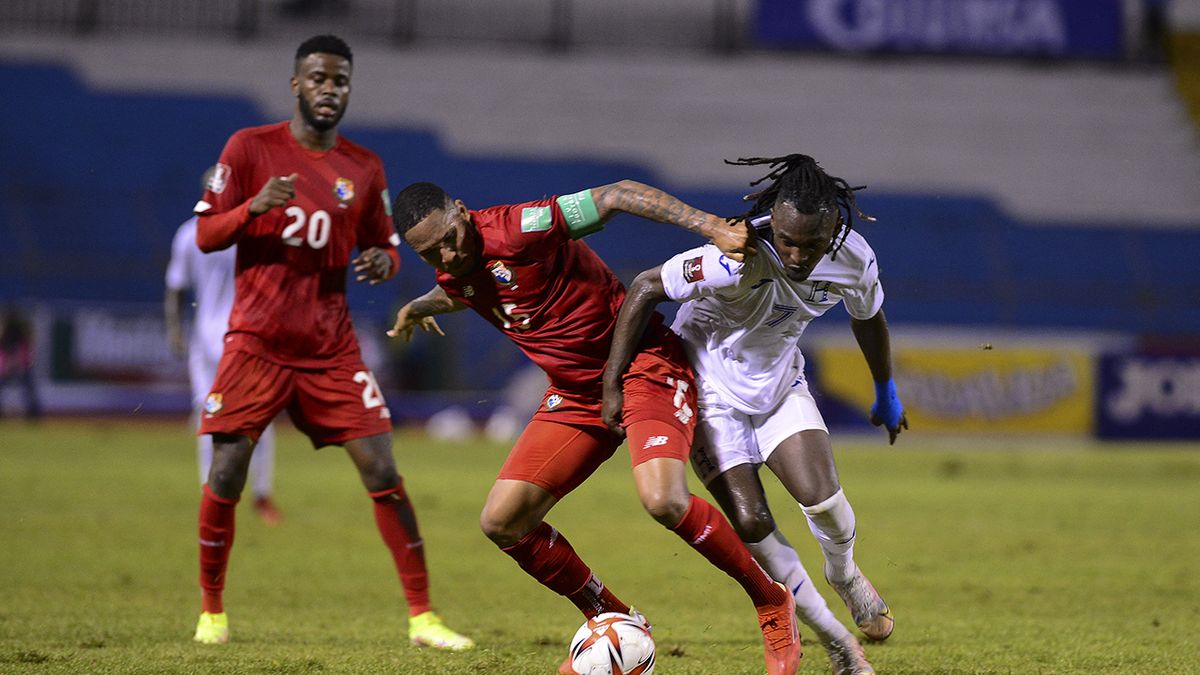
776, 628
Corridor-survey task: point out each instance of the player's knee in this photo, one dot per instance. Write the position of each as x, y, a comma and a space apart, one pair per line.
667, 507
380, 480
226, 478
379, 474
752, 522
502, 530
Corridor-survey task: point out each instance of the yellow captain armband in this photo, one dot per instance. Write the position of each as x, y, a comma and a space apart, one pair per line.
580, 213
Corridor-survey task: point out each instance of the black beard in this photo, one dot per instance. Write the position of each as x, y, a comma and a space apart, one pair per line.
310, 117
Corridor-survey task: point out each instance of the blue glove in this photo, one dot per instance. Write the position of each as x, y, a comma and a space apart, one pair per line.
888, 410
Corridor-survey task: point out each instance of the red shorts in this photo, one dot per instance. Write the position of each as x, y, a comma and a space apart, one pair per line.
331, 405
567, 440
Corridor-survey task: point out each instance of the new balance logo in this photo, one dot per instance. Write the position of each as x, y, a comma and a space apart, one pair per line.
655, 441
703, 535
212, 543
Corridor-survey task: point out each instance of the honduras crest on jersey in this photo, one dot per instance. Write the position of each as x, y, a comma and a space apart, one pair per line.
501, 273
343, 189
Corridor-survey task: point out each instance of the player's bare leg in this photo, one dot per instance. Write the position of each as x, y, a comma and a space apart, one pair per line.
513, 518
662, 486
740, 494
218, 504
397, 523
804, 464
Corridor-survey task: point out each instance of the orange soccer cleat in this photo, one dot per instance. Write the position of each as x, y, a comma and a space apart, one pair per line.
781, 636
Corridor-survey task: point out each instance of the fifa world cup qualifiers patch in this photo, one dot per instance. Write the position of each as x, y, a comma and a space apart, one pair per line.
580, 213
535, 219
219, 178
387, 203
693, 269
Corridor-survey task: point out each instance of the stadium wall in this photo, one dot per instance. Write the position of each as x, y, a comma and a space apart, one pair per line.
87, 227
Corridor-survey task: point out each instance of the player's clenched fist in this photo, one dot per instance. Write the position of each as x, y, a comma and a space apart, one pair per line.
275, 192
734, 238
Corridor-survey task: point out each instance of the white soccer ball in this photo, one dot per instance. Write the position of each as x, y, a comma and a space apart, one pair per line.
612, 644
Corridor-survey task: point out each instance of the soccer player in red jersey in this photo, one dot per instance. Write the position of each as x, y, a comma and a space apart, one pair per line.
524, 269
297, 198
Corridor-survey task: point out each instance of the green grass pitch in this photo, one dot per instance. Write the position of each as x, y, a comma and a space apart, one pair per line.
1058, 557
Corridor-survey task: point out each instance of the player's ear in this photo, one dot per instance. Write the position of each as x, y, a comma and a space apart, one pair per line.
295, 86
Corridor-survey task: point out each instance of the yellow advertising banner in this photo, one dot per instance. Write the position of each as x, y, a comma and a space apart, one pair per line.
1021, 390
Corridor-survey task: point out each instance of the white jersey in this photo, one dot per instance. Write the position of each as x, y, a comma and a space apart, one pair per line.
741, 322
210, 277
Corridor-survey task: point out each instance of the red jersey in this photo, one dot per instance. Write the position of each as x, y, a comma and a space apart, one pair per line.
290, 298
549, 293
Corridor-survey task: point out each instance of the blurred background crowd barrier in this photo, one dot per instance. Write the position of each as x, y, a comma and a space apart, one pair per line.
1033, 167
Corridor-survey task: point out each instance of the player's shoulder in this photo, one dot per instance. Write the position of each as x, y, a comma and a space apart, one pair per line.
515, 222
257, 134
855, 247
360, 153
851, 261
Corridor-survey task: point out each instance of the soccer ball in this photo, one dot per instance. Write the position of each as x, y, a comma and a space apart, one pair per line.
613, 644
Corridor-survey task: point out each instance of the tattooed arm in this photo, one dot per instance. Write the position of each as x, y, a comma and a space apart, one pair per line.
639, 199
419, 313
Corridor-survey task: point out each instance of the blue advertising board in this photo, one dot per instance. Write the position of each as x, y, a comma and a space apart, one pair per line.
1148, 396
1047, 28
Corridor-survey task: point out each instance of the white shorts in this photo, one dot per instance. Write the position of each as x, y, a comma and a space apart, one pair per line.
726, 437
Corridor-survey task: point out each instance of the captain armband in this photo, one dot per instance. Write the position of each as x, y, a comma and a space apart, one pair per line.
580, 213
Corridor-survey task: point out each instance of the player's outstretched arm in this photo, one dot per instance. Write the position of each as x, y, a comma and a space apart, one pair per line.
419, 312
627, 196
644, 294
875, 343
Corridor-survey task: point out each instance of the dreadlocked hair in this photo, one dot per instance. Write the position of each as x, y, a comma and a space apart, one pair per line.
798, 180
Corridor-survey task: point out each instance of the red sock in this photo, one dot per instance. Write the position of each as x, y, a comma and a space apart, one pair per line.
707, 531
398, 524
216, 539
547, 556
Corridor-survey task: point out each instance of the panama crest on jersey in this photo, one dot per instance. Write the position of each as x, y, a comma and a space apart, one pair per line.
501, 273
343, 189
553, 401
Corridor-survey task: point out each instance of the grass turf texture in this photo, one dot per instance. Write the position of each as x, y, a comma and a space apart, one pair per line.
1050, 559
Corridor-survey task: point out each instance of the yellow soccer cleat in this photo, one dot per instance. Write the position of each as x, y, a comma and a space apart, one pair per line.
212, 629
427, 630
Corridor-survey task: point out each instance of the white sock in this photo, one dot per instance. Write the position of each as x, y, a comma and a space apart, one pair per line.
262, 463
204, 454
781, 561
832, 522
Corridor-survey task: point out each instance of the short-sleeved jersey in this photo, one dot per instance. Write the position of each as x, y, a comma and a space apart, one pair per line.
209, 276
290, 305
741, 322
548, 292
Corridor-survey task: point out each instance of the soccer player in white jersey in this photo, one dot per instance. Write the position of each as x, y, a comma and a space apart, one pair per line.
210, 278
741, 323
